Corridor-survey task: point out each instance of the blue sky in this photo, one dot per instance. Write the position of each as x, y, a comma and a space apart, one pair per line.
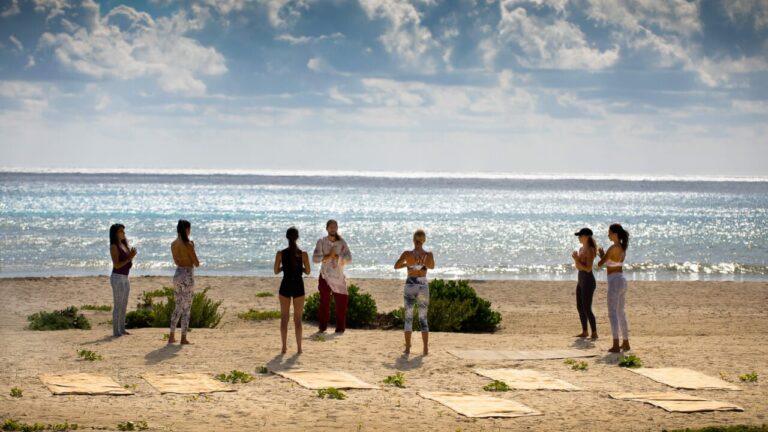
541, 86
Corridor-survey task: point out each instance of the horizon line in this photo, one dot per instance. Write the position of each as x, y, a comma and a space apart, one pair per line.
387, 174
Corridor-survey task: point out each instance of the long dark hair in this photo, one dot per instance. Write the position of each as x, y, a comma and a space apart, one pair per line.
333, 221
622, 233
181, 229
113, 235
591, 242
293, 257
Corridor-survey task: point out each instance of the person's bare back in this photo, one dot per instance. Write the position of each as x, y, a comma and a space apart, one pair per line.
184, 253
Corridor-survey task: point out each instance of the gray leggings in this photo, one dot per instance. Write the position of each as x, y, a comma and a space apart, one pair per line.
416, 292
184, 284
120, 290
617, 291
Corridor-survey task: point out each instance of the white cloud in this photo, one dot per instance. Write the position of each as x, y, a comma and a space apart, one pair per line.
405, 37
22, 90
128, 44
53, 8
671, 16
18, 46
746, 10
551, 42
11, 10
319, 65
301, 40
30, 62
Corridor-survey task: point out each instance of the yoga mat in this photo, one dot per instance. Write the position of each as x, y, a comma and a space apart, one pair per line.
83, 384
479, 405
320, 379
526, 379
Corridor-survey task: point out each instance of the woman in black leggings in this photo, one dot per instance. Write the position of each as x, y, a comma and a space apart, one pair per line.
585, 288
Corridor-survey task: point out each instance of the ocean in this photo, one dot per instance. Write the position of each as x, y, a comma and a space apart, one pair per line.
479, 227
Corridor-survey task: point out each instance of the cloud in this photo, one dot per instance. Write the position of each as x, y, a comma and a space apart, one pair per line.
128, 44
670, 16
18, 46
405, 37
551, 41
302, 40
11, 10
53, 8
747, 10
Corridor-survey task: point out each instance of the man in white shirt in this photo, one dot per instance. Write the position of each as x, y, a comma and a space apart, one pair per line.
334, 254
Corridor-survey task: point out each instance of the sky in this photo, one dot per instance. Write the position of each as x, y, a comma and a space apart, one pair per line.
662, 87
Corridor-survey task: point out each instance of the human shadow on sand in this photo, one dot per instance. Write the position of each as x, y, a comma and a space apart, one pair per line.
406, 362
101, 340
583, 343
281, 362
166, 352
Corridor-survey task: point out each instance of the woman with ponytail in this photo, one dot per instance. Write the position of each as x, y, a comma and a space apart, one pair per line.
185, 257
613, 260
293, 262
585, 288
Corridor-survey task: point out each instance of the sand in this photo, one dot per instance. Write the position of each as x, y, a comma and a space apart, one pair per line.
711, 327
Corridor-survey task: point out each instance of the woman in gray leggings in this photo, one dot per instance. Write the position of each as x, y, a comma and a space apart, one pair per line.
613, 260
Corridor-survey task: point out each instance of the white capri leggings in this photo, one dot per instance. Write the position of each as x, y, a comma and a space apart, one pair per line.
617, 292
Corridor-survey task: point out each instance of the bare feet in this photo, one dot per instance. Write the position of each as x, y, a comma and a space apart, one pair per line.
407, 349
594, 336
171, 339
582, 335
426, 351
184, 341
625, 346
126, 333
284, 350
299, 351
614, 349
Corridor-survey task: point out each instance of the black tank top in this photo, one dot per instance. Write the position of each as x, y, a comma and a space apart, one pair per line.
293, 266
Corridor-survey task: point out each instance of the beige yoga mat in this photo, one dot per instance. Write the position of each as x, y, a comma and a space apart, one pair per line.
678, 402
684, 378
521, 355
83, 384
320, 379
185, 383
479, 405
526, 379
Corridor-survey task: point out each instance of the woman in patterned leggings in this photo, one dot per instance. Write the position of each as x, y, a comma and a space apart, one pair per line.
416, 288
183, 251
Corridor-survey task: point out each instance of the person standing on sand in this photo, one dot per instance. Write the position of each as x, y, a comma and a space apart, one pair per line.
416, 290
292, 261
613, 260
185, 257
585, 288
122, 261
334, 254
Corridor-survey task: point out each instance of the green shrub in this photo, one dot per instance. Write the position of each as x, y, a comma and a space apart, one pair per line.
17, 392
64, 319
576, 365
630, 361
203, 314
749, 377
235, 377
331, 393
397, 380
361, 309
13, 425
496, 386
454, 307
100, 308
264, 294
89, 355
132, 426
254, 315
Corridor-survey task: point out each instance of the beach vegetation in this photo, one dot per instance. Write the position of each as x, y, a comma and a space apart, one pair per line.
14, 425
317, 338
361, 308
64, 319
98, 308
577, 365
234, 377
254, 315
496, 386
17, 392
749, 377
262, 370
331, 393
153, 313
89, 355
454, 306
132, 426
129, 386
630, 361
397, 380
264, 294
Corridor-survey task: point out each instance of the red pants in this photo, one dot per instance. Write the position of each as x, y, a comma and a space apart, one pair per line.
324, 314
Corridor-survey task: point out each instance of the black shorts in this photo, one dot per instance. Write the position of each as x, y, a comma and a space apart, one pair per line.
292, 288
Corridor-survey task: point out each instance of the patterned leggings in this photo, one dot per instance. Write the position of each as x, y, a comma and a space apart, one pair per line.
416, 292
184, 283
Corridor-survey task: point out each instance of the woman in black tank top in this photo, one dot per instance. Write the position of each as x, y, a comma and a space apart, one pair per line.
294, 263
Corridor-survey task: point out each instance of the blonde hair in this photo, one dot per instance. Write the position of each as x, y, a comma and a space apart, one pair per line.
420, 233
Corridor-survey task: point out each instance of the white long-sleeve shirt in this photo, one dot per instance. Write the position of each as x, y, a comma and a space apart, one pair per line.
333, 270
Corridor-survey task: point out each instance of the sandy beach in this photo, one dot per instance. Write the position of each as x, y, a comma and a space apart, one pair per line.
711, 327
